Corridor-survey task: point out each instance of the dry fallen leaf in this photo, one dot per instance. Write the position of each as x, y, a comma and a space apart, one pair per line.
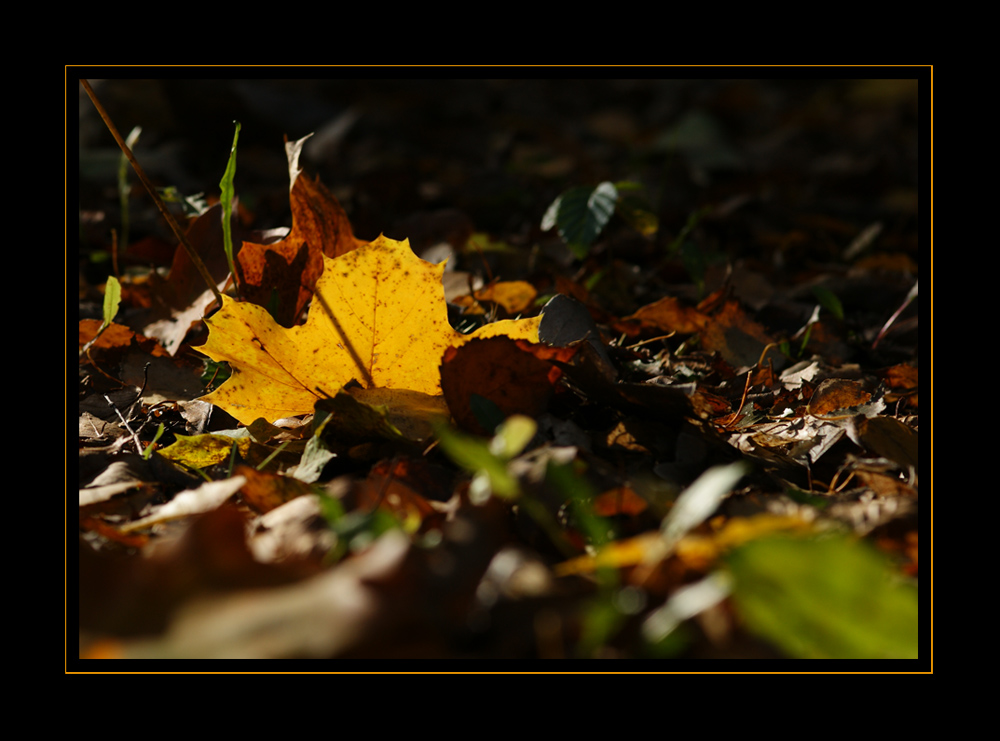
378, 317
286, 271
518, 377
739, 339
513, 295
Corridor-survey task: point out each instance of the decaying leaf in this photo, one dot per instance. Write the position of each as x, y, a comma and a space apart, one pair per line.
516, 376
283, 274
739, 339
267, 491
378, 317
513, 295
666, 315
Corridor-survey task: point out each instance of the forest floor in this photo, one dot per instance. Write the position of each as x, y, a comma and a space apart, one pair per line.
708, 448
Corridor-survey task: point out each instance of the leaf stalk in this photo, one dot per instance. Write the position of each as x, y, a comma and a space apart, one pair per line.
195, 257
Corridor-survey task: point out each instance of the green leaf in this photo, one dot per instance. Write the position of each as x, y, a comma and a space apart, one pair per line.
829, 301
112, 299
315, 456
513, 436
148, 450
474, 454
227, 202
824, 597
581, 214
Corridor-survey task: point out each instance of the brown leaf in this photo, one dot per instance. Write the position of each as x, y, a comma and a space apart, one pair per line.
739, 339
835, 394
180, 300
265, 491
398, 487
619, 501
288, 269
666, 315
115, 338
515, 375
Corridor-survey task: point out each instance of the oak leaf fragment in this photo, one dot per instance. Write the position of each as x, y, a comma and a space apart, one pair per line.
378, 317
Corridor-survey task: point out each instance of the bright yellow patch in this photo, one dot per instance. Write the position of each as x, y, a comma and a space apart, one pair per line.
378, 316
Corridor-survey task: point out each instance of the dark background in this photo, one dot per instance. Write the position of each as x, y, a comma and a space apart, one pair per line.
798, 166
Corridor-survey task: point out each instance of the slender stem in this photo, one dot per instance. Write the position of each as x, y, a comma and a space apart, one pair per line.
195, 258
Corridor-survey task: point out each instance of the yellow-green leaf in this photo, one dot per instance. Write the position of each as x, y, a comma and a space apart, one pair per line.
201, 451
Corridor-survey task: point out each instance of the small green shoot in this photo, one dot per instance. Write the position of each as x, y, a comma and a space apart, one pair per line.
354, 530
829, 301
215, 373
263, 464
226, 186
123, 186
112, 300
487, 459
148, 451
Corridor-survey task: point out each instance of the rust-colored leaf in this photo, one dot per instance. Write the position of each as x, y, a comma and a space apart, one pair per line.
619, 501
668, 314
735, 336
401, 487
116, 337
835, 394
283, 275
517, 376
266, 491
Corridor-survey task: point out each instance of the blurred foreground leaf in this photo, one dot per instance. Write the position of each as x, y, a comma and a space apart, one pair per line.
827, 597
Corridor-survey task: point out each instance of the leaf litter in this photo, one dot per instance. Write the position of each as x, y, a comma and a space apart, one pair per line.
352, 476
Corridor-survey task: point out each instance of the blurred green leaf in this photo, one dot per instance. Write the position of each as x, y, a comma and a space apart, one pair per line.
474, 454
634, 210
829, 301
824, 597
513, 436
575, 489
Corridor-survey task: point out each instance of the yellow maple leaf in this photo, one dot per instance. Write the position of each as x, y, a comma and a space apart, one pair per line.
378, 317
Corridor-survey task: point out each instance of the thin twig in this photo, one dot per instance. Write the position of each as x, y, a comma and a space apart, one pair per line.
906, 302
135, 437
195, 257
